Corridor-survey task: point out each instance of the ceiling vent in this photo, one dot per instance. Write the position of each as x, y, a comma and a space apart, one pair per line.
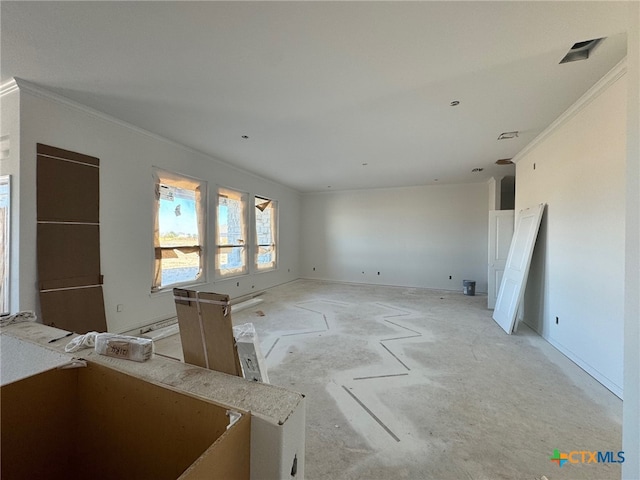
504, 161
581, 50
507, 135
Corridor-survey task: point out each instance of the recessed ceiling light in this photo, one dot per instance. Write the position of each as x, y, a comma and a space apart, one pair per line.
455, 103
504, 161
245, 136
477, 170
507, 135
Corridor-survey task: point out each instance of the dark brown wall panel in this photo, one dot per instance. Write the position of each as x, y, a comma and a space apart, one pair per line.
68, 203
68, 251
68, 191
79, 310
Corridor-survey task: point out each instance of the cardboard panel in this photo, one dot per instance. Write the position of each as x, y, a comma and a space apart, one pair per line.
37, 418
61, 153
228, 458
193, 348
67, 191
128, 428
68, 202
95, 422
79, 310
206, 332
68, 252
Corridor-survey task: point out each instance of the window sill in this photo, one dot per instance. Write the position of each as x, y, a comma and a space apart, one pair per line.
169, 289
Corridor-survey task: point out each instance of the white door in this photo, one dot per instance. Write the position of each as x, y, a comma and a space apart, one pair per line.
517, 267
500, 234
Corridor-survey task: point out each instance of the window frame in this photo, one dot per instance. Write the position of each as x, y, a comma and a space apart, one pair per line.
273, 205
244, 269
200, 189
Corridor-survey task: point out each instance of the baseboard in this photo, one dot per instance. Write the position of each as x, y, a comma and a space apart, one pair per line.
604, 380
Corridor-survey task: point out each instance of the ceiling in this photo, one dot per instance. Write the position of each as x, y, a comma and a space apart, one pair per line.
340, 95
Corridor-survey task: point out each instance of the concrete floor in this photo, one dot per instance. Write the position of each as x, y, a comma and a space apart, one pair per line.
405, 383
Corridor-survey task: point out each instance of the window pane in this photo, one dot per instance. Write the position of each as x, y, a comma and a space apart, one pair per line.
231, 232
179, 236
231, 259
265, 218
178, 219
185, 268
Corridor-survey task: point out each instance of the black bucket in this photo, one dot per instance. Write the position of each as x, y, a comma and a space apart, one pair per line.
469, 287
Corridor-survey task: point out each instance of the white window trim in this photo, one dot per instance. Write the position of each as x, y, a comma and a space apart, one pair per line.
219, 275
275, 239
180, 180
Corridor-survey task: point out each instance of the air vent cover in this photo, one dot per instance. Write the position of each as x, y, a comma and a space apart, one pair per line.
581, 50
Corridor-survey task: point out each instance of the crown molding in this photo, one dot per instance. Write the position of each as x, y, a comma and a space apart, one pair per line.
8, 87
38, 91
590, 95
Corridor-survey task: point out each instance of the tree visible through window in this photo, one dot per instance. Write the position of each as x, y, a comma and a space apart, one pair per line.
231, 258
265, 225
179, 231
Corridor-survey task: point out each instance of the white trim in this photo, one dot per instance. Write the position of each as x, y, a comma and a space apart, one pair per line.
79, 287
600, 86
41, 92
85, 164
8, 87
606, 382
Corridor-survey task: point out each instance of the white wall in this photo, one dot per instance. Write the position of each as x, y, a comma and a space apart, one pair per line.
631, 404
577, 272
414, 236
10, 126
127, 156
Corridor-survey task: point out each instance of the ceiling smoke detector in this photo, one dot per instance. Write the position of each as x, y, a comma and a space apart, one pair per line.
581, 50
507, 135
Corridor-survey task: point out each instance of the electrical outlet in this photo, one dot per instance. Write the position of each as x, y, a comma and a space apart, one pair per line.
119, 307
450, 277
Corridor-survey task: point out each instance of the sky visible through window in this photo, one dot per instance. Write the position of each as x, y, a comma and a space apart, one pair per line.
179, 216
178, 226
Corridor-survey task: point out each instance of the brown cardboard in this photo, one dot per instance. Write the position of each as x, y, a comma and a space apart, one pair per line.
95, 422
78, 310
206, 331
68, 210
229, 457
68, 190
68, 252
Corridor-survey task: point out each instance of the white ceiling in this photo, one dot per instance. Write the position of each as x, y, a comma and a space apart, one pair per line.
322, 88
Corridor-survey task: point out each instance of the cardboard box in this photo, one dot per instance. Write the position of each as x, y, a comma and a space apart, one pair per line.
96, 422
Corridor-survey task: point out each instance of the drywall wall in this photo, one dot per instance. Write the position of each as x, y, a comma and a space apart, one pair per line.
10, 165
413, 236
577, 167
127, 157
631, 404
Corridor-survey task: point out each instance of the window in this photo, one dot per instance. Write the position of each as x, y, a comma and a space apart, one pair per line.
179, 234
265, 224
231, 258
